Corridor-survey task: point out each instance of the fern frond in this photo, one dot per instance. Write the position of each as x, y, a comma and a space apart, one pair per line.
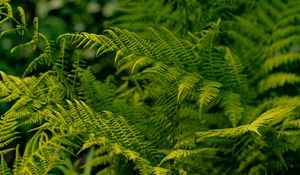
248, 156
104, 43
249, 29
4, 169
9, 10
187, 83
274, 103
292, 124
103, 160
277, 80
37, 40
11, 32
285, 59
234, 71
136, 15
42, 153
160, 171
3, 21
139, 63
282, 44
264, 16
168, 93
31, 44
233, 108
10, 87
272, 36
289, 16
127, 42
282, 33
208, 92
167, 58
114, 150
227, 132
8, 131
100, 95
141, 164
114, 128
278, 113
127, 63
22, 16
163, 71
181, 154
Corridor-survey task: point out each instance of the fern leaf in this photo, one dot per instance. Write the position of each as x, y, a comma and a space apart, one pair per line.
282, 33
22, 16
9, 10
161, 171
36, 30
100, 95
186, 84
295, 124
272, 114
140, 62
277, 80
4, 169
102, 160
180, 153
233, 108
249, 29
141, 164
31, 44
235, 68
8, 85
208, 92
264, 119
11, 32
3, 21
8, 131
264, 17
274, 103
227, 132
118, 56
282, 44
284, 59
59, 64
163, 71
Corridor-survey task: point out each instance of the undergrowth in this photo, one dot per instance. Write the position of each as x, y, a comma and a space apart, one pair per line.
209, 93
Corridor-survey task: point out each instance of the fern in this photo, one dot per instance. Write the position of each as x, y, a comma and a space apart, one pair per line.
277, 80
176, 102
138, 51
73, 123
208, 93
137, 14
273, 38
38, 40
233, 108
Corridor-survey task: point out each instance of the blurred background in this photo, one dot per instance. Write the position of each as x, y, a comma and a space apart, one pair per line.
55, 17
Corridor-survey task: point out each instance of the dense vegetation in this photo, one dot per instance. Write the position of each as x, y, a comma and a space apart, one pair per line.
157, 87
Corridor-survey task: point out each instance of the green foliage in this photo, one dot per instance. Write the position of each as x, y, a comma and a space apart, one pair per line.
268, 37
180, 15
190, 95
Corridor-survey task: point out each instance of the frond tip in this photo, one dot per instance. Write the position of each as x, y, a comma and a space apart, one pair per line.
208, 92
186, 85
277, 80
264, 119
181, 154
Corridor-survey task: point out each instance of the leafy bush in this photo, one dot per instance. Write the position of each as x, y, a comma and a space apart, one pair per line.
191, 95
